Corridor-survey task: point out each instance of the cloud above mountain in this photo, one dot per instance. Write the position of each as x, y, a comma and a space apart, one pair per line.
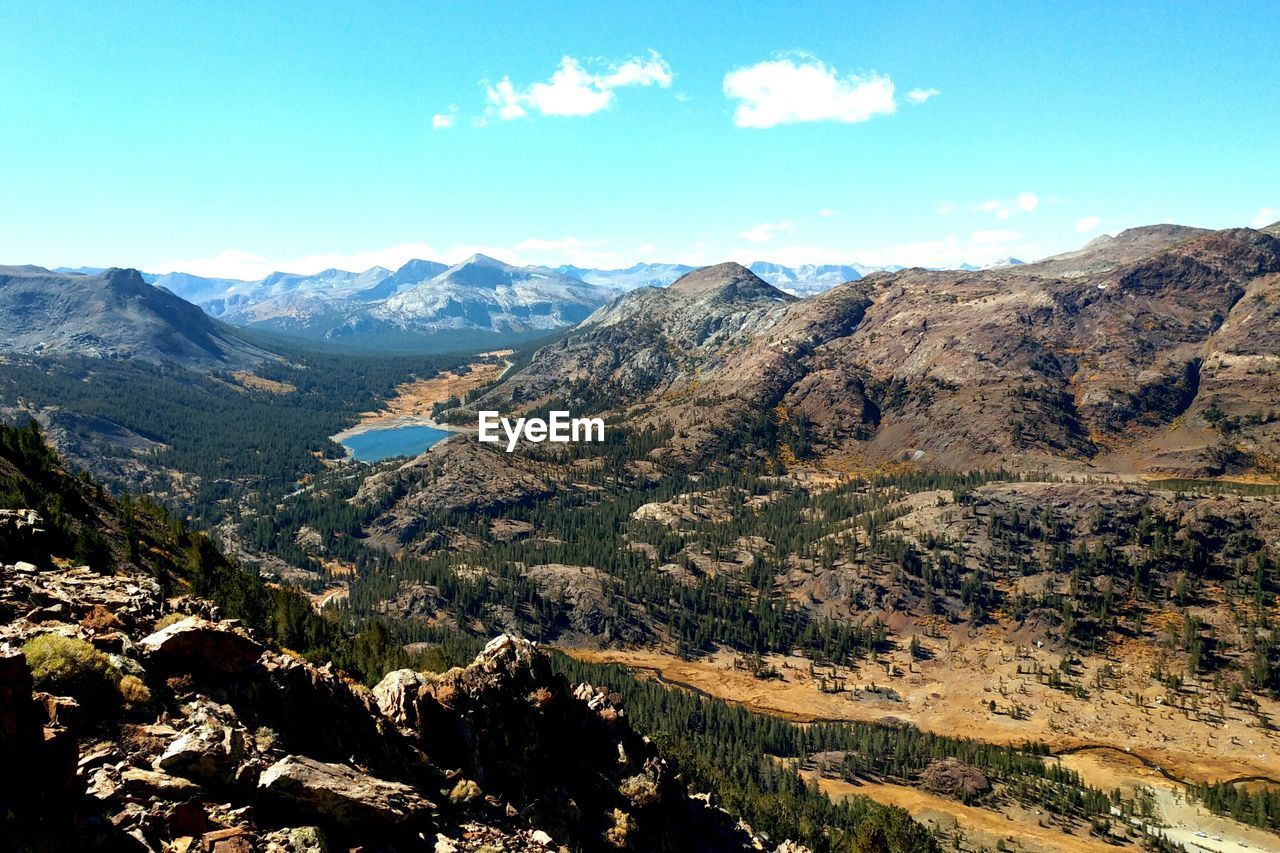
803, 88
248, 266
766, 231
1024, 202
577, 88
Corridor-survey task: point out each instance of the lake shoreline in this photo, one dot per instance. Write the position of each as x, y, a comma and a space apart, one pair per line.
396, 422
391, 425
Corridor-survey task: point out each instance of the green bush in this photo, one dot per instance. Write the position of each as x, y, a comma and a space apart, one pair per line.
71, 667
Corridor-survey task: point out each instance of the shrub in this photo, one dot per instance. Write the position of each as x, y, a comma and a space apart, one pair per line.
168, 619
641, 790
101, 619
68, 666
134, 691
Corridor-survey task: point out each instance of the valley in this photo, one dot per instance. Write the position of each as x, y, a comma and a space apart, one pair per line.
640, 428
922, 509
406, 425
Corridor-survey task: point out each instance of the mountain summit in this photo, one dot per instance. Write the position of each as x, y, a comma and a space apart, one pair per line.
111, 314
729, 280
485, 293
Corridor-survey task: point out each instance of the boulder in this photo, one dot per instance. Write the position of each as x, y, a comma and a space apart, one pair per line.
954, 779
397, 694
150, 784
297, 839
343, 795
291, 690
196, 643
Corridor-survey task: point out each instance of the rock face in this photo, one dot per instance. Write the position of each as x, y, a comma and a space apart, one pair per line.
651, 339
464, 476
484, 293
243, 748
566, 757
341, 795
480, 294
34, 739
213, 748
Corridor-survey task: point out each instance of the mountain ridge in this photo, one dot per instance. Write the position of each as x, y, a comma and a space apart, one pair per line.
112, 314
1095, 350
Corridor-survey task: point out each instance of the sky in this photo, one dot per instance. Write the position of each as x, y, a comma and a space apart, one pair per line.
237, 139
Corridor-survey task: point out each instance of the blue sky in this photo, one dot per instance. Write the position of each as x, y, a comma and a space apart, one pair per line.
239, 138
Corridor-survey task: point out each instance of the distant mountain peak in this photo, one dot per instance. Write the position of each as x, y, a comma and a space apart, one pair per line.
729, 279
483, 260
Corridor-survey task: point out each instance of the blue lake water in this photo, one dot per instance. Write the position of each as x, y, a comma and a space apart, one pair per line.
378, 444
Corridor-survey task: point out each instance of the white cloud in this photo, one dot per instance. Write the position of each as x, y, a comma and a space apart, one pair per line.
1003, 209
1265, 217
573, 90
803, 89
440, 121
231, 263
826, 211
590, 253
766, 231
1088, 224
919, 96
946, 208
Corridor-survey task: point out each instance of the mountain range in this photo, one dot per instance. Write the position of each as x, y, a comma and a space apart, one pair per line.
426, 297
1130, 352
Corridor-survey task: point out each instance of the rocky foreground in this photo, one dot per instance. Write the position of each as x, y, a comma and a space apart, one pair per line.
183, 732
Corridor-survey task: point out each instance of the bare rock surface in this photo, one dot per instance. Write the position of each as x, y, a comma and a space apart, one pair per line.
341, 794
198, 642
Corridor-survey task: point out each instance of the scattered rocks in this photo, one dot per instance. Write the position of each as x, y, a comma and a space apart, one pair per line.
68, 595
214, 748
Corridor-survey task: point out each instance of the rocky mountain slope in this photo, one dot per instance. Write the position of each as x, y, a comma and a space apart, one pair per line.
1149, 352
421, 297
114, 314
148, 721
